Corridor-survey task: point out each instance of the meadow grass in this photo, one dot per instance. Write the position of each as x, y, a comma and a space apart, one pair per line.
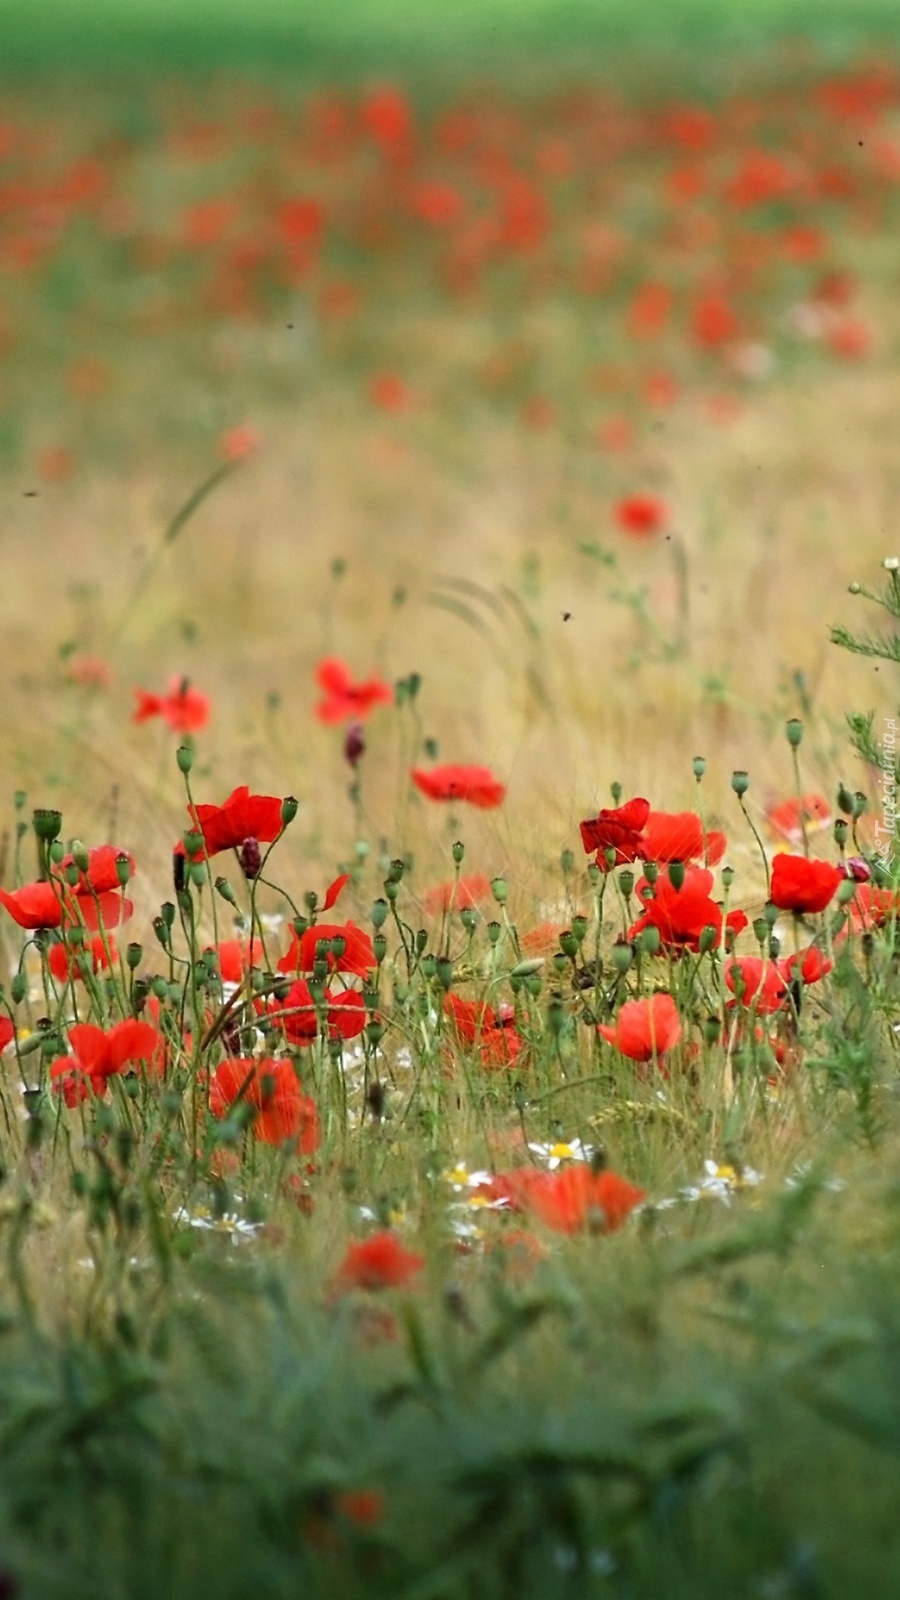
224, 464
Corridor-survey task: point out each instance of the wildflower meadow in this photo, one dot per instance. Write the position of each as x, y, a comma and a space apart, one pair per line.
449, 863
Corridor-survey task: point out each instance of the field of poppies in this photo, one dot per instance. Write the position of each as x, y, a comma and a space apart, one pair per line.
449, 877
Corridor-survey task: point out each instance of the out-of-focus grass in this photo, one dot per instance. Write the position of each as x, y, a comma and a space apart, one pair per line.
297, 33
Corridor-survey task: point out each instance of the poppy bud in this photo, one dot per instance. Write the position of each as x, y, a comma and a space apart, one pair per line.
845, 801
651, 871
374, 1035
794, 730
770, 913
648, 941
857, 869
167, 913
846, 891
609, 855
740, 782
429, 966
421, 940
396, 870
568, 944
80, 856
354, 745
499, 890
760, 930
72, 874
192, 841
708, 939
123, 869
622, 957
250, 857
860, 801
184, 755
160, 988
727, 877
223, 887
310, 899
469, 919
524, 969
445, 972
196, 873
615, 790
579, 928
459, 851
676, 874
626, 882
594, 874
567, 862
134, 955
556, 1015
841, 830
46, 824
494, 931
391, 890
338, 946
18, 988
533, 984
379, 913
57, 852
712, 1029
300, 926
379, 946
699, 767
289, 808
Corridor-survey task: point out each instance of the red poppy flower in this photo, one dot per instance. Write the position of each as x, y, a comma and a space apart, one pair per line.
7, 1032
679, 836
762, 984
296, 1014
92, 672
462, 893
357, 956
476, 785
802, 886
571, 1198
682, 914
810, 965
99, 1055
184, 708
35, 905
478, 1024
642, 515
102, 872
379, 1262
388, 392
645, 1029
74, 961
345, 699
272, 1090
242, 816
618, 828
235, 444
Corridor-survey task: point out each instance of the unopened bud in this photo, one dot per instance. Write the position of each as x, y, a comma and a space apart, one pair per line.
845, 801
459, 851
46, 824
794, 730
379, 946
223, 887
699, 765
626, 882
354, 744
184, 755
250, 858
80, 855
289, 808
740, 782
622, 958
379, 913
134, 955
499, 890
709, 938
494, 930
676, 874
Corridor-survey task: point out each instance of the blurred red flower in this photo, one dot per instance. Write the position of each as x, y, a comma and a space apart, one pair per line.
345, 699
476, 785
644, 1029
357, 955
272, 1090
74, 961
641, 516
460, 893
296, 1013
184, 708
680, 836
379, 1262
99, 1055
494, 1036
571, 1198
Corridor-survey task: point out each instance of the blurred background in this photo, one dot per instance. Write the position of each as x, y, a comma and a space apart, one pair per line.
547, 350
